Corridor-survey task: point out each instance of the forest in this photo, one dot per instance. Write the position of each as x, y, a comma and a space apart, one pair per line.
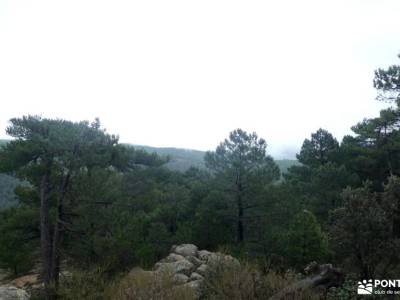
91, 210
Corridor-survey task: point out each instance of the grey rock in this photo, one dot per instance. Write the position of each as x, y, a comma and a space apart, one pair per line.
188, 267
172, 257
182, 267
204, 254
185, 250
213, 258
180, 278
202, 270
9, 292
195, 261
222, 259
196, 286
196, 276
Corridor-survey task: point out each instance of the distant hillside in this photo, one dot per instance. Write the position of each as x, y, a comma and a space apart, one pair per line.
285, 164
7, 186
183, 159
180, 159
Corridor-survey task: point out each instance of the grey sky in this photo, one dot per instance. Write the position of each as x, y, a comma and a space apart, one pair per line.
185, 73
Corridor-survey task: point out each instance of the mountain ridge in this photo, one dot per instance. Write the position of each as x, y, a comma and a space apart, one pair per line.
181, 159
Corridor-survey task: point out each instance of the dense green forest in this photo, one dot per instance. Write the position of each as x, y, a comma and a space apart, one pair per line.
177, 159
94, 204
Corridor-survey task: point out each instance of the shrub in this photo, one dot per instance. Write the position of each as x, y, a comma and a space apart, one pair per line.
88, 285
306, 240
246, 282
346, 292
139, 284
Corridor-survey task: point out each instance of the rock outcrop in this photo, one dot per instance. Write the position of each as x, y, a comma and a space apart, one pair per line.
3, 275
27, 282
320, 278
9, 292
188, 266
20, 287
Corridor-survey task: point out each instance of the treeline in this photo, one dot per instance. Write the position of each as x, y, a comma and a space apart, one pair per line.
178, 159
93, 202
183, 159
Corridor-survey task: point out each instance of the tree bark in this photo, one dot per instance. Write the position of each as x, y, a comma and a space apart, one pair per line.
55, 256
240, 235
45, 237
240, 227
58, 233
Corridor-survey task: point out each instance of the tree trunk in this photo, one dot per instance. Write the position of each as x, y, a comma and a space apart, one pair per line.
240, 227
45, 238
55, 257
240, 209
58, 233
240, 235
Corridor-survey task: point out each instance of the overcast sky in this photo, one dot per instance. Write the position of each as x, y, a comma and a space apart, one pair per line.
186, 73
